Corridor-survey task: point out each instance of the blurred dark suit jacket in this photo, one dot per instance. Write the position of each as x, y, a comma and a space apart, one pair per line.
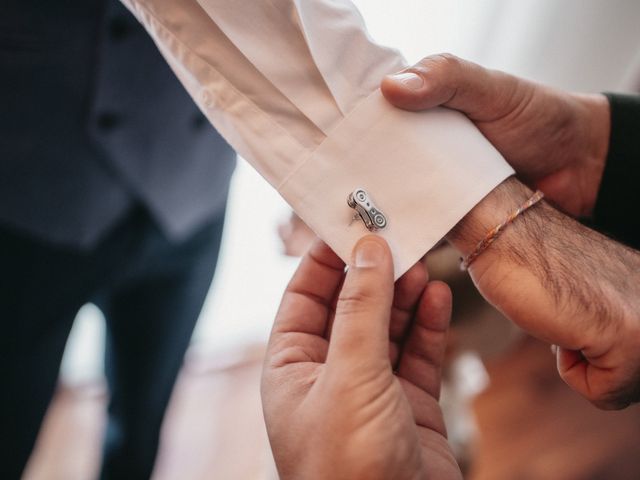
93, 121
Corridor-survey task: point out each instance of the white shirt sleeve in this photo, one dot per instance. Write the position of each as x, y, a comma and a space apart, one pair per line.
293, 86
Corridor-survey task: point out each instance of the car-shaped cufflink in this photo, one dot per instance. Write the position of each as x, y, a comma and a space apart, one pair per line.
371, 215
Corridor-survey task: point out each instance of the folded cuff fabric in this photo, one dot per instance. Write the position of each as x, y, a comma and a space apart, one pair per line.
415, 168
292, 86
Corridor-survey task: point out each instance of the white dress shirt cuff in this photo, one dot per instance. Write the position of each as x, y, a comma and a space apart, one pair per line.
424, 171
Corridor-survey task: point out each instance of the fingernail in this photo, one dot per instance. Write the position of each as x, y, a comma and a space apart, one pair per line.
369, 254
409, 80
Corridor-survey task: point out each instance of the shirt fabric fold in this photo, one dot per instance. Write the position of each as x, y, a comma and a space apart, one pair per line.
293, 87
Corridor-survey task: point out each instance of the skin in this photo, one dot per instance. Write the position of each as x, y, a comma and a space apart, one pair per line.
557, 279
556, 141
352, 371
337, 341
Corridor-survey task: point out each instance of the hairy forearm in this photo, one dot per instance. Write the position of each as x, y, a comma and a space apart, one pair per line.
547, 271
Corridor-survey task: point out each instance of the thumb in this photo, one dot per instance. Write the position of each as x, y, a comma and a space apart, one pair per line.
360, 328
449, 81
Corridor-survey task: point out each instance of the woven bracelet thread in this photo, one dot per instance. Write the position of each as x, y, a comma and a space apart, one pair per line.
495, 232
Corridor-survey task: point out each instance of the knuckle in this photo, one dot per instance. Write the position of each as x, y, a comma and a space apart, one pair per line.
445, 72
449, 59
445, 61
355, 301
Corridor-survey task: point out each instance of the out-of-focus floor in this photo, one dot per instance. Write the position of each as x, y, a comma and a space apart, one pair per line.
531, 426
213, 429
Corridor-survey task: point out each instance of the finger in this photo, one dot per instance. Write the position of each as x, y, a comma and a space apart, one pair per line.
423, 352
407, 292
307, 301
596, 383
574, 370
449, 81
361, 324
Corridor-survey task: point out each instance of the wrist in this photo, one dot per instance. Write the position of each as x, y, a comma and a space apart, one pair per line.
493, 209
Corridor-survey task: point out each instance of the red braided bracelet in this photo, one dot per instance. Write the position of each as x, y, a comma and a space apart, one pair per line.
495, 232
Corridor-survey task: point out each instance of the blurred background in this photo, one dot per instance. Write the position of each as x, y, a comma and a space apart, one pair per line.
509, 414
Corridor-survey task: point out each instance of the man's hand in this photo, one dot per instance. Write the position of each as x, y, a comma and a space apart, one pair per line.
333, 407
565, 284
556, 141
557, 279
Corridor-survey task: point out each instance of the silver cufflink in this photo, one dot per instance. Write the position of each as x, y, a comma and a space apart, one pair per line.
371, 215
